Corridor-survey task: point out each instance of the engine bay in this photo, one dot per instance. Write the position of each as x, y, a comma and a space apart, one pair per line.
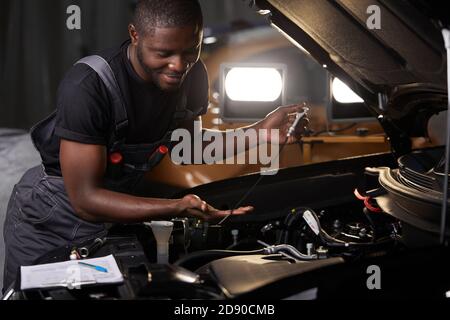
317, 249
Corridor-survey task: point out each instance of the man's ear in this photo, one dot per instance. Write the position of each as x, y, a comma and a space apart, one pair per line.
134, 37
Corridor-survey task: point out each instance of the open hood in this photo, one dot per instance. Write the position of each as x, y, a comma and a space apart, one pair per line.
391, 53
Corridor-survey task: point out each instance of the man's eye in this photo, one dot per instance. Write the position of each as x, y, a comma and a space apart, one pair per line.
163, 54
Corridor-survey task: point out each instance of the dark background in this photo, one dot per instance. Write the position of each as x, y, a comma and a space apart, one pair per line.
36, 47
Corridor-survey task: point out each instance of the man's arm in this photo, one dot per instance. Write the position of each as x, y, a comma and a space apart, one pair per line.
83, 167
281, 119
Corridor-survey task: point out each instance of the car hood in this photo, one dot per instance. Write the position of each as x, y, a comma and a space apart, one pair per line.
398, 69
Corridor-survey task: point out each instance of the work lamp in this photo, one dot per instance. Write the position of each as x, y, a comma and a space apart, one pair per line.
248, 92
342, 93
345, 105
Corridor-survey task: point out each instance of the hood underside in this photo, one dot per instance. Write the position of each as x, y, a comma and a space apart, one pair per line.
408, 48
390, 52
380, 48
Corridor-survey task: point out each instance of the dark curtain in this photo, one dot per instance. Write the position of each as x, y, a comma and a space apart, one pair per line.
36, 49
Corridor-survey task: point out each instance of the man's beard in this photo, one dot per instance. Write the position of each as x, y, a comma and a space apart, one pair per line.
154, 76
147, 70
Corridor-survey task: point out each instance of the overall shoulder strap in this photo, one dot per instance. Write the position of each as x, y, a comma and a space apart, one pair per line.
104, 71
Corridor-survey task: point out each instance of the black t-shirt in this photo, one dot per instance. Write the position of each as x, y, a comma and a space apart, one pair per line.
85, 115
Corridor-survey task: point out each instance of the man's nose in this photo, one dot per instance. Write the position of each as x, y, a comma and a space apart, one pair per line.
179, 65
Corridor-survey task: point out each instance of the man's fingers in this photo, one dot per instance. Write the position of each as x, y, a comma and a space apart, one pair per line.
294, 108
205, 211
211, 215
243, 210
211, 208
195, 213
238, 211
291, 119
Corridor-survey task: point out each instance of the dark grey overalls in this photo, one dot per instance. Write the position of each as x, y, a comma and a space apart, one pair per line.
40, 216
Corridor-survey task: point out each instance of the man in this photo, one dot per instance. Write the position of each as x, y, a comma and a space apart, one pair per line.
107, 131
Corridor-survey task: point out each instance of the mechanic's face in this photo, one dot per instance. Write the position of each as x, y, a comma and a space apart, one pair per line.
166, 55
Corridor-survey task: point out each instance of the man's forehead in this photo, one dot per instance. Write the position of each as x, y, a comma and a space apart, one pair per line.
173, 38
164, 31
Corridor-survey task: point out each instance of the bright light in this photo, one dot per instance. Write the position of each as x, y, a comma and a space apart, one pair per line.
343, 94
264, 12
209, 40
253, 84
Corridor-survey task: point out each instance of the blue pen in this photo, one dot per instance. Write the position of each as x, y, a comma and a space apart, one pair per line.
98, 268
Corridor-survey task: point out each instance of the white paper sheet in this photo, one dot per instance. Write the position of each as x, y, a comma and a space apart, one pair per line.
70, 274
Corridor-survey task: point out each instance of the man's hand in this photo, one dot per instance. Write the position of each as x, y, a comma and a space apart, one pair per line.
282, 118
191, 205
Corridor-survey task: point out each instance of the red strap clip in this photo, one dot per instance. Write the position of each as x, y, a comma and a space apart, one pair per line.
163, 149
115, 158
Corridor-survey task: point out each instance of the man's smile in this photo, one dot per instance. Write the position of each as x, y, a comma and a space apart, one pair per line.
172, 78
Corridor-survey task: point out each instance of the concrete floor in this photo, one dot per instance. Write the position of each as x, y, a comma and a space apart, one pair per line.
17, 154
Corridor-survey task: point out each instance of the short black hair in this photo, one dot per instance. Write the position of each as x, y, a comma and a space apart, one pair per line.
150, 14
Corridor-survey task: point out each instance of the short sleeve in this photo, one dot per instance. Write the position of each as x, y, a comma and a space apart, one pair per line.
82, 112
198, 96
